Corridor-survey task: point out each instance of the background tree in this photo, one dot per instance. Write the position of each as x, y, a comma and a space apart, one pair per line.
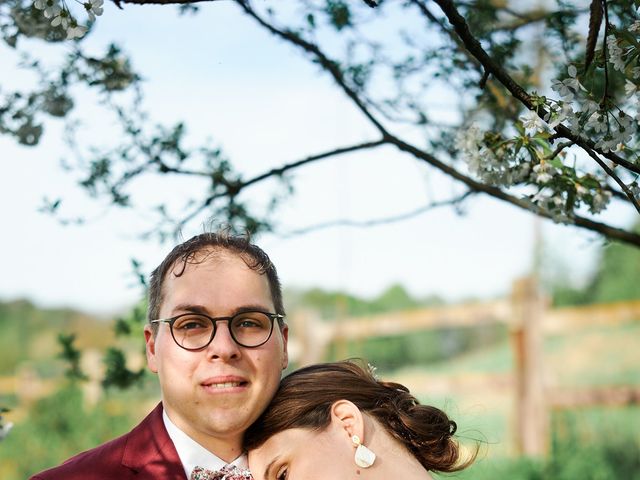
616, 278
564, 149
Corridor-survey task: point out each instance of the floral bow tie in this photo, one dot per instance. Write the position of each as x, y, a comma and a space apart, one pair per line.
228, 472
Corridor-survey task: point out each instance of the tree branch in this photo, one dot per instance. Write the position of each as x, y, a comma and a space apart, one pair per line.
454, 38
378, 221
473, 45
582, 222
160, 2
324, 61
233, 190
314, 158
505, 79
615, 177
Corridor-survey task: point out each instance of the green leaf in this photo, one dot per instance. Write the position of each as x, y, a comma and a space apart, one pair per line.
556, 162
311, 20
339, 14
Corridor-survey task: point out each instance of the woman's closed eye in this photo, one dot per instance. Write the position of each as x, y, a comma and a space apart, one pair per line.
283, 474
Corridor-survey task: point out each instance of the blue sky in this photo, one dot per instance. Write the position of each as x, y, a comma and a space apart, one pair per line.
265, 106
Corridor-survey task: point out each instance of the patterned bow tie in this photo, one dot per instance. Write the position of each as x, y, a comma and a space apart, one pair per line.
228, 472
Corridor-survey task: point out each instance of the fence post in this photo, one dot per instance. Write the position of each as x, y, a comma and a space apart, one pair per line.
531, 410
310, 338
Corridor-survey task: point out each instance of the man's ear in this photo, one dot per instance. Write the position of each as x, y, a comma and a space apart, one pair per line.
285, 341
346, 416
150, 340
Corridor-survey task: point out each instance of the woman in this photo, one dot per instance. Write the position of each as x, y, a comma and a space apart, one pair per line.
335, 421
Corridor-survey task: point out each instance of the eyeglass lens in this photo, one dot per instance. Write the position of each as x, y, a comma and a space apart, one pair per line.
249, 329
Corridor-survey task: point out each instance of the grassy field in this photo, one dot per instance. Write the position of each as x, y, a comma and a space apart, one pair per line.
476, 389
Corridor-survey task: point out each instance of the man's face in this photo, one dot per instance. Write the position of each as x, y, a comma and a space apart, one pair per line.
213, 395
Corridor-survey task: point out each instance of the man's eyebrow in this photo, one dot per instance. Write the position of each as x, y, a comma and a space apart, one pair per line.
190, 307
195, 308
251, 308
267, 470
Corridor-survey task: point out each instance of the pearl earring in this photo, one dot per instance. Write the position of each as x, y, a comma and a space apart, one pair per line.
364, 457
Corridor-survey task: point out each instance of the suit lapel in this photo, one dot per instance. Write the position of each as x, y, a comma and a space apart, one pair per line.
150, 452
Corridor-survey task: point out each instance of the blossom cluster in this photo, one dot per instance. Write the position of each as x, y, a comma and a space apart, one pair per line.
61, 16
606, 123
593, 112
499, 166
529, 160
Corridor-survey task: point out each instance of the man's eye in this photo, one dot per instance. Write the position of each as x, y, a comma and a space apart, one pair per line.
191, 324
247, 323
282, 474
251, 321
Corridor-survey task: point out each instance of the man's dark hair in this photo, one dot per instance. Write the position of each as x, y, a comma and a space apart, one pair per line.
208, 244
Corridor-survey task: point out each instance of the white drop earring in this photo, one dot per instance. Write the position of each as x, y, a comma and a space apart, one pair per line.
364, 457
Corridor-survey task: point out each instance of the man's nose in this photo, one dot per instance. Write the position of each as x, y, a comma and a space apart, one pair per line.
223, 346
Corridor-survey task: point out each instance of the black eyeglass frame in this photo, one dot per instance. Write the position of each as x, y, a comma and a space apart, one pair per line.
214, 320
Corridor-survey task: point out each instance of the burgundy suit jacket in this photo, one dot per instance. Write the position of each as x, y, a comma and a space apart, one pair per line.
145, 453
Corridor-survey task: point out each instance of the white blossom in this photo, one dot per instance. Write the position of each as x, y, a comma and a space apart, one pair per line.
597, 122
563, 90
543, 172
630, 88
94, 8
590, 106
469, 142
635, 27
600, 201
557, 116
609, 143
581, 190
557, 201
532, 122
615, 53
624, 120
492, 168
469, 138
75, 31
574, 125
52, 11
61, 19
50, 8
618, 134
554, 203
522, 172
568, 87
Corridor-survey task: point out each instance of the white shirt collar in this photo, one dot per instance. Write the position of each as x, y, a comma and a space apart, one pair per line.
192, 454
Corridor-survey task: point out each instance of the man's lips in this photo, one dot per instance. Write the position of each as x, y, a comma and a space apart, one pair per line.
224, 382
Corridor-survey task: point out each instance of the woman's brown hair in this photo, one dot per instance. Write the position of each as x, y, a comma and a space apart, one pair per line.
305, 397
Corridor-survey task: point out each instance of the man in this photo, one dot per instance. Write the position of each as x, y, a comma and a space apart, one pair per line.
217, 340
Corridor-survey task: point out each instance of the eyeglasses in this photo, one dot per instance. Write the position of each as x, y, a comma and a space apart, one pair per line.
195, 331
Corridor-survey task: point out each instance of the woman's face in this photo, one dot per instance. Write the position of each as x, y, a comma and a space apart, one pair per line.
302, 454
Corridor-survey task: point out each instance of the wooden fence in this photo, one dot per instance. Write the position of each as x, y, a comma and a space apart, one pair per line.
528, 317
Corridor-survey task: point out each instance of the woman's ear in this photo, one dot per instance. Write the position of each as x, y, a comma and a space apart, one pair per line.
349, 422
347, 417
